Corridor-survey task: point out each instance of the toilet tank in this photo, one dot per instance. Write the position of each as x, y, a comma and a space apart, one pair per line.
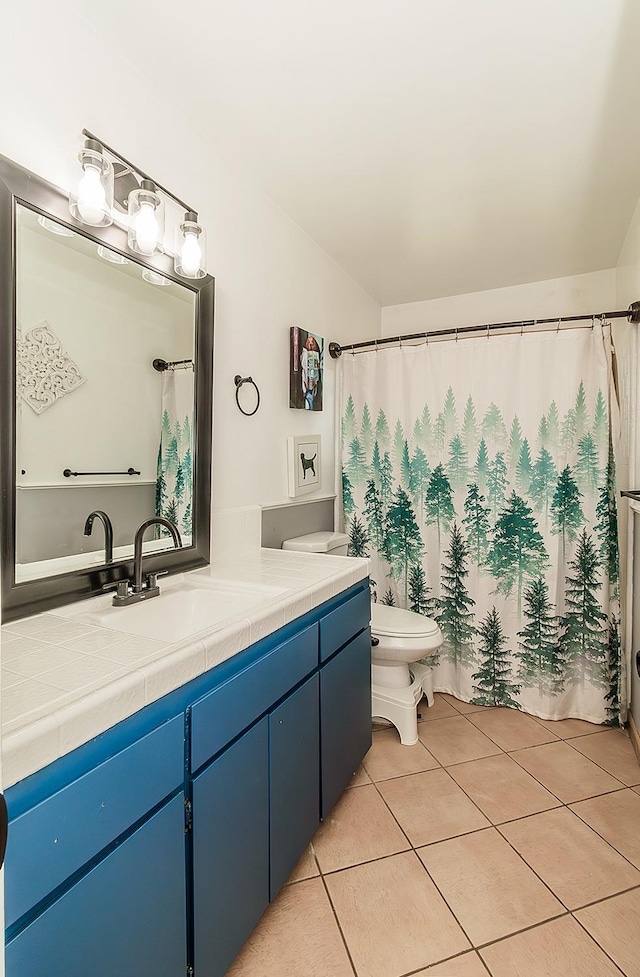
334, 543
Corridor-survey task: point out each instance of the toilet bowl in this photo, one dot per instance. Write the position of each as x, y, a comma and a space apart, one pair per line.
399, 640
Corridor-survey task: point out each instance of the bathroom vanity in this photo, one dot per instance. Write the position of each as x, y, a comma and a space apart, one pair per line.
154, 847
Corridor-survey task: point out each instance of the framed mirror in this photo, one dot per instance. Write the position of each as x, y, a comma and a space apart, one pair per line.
106, 383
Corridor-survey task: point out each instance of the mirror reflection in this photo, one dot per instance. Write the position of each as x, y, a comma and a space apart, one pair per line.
98, 427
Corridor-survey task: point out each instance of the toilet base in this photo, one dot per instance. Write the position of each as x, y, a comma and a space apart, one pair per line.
400, 705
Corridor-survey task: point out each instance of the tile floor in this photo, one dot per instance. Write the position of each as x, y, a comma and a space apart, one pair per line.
499, 844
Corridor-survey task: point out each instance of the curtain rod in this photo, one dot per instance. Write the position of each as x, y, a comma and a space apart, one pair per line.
632, 314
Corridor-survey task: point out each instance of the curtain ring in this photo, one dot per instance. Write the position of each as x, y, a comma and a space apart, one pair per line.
426, 338
456, 334
558, 326
375, 345
488, 330
593, 321
400, 341
522, 329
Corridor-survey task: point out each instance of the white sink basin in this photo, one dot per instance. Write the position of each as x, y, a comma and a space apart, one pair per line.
181, 610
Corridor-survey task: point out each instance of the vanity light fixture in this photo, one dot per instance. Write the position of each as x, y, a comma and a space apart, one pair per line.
154, 278
142, 199
92, 201
191, 247
53, 227
112, 256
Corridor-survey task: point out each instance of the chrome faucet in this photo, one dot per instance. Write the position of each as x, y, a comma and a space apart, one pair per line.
139, 591
108, 531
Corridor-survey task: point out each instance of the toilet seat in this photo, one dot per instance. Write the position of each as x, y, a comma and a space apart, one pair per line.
394, 622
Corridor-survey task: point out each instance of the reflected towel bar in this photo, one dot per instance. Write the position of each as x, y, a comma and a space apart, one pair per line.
68, 473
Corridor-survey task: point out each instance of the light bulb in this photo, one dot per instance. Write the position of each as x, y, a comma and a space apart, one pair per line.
191, 255
146, 229
92, 199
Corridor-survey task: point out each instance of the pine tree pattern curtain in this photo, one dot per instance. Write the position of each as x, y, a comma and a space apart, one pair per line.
174, 481
479, 477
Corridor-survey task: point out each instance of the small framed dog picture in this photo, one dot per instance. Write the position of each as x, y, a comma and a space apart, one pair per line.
304, 464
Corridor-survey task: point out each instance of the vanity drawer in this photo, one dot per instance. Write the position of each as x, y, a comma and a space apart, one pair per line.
52, 840
222, 714
340, 626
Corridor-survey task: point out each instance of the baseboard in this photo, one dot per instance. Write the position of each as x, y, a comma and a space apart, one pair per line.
635, 736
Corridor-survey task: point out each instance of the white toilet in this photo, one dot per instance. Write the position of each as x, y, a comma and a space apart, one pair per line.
399, 640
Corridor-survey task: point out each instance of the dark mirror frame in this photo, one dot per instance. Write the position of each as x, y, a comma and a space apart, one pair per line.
19, 186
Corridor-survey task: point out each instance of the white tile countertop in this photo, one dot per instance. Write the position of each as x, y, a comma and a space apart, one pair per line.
72, 673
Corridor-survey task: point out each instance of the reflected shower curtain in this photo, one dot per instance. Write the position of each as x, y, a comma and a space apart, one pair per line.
174, 482
479, 477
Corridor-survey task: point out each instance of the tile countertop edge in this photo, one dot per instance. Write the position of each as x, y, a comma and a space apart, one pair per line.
77, 718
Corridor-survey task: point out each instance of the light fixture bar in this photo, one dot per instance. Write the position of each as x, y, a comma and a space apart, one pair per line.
136, 169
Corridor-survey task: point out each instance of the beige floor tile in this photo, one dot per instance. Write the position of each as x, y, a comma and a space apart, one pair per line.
502, 789
563, 771
617, 818
560, 948
614, 926
611, 750
393, 918
389, 758
577, 865
455, 740
359, 828
466, 965
307, 867
359, 778
431, 807
462, 706
511, 729
488, 886
441, 709
297, 936
567, 728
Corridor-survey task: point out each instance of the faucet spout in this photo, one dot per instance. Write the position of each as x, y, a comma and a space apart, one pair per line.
108, 531
137, 546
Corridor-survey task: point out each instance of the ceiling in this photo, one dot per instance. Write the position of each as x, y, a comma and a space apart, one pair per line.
432, 147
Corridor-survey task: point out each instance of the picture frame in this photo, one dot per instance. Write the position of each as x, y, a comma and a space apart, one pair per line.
304, 464
306, 369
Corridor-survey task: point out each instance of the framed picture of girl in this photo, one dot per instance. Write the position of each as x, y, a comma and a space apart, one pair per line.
306, 366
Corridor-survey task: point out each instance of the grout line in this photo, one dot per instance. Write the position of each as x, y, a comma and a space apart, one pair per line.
335, 916
604, 769
591, 937
595, 830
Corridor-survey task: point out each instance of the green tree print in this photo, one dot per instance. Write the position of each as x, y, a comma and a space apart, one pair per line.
607, 525
497, 482
539, 662
581, 413
583, 638
358, 538
357, 463
517, 552
161, 486
493, 428
383, 435
587, 471
469, 426
348, 505
458, 465
170, 513
417, 433
403, 542
388, 598
187, 469
449, 415
186, 521
515, 445
419, 600
366, 431
477, 525
439, 437
427, 431
438, 501
601, 425
493, 682
374, 514
166, 427
406, 479
543, 481
398, 445
172, 458
568, 433
553, 427
420, 473
455, 616
386, 480
349, 422
481, 470
566, 512
524, 469
614, 667
543, 432
178, 488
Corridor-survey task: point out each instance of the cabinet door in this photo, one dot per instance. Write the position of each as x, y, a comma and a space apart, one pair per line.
294, 768
230, 850
345, 717
126, 917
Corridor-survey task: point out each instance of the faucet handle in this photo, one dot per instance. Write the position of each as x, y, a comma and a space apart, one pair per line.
152, 578
121, 587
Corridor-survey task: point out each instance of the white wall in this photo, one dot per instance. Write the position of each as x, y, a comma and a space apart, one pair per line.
593, 292
269, 274
628, 291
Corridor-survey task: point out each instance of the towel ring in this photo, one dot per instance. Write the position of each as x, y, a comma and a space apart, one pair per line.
238, 380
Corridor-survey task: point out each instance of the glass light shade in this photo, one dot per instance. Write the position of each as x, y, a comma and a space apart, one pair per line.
155, 279
92, 201
191, 248
146, 220
112, 256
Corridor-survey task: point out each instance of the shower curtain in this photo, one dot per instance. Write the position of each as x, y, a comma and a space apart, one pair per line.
174, 483
479, 477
